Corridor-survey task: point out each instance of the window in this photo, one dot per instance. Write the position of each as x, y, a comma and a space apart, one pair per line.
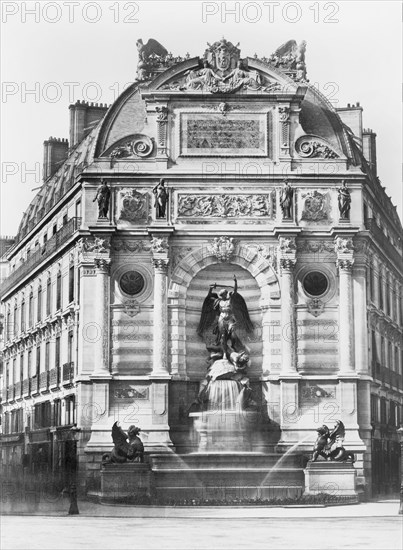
388, 298
71, 283
78, 209
15, 331
39, 305
31, 310
21, 368
9, 326
390, 356
70, 410
70, 347
23, 316
383, 362
392, 414
48, 297
365, 212
29, 366
374, 349
371, 282
59, 291
380, 290
45, 239
54, 229
38, 360
374, 408
383, 410
47, 356
57, 413
14, 370
57, 358
315, 283
65, 219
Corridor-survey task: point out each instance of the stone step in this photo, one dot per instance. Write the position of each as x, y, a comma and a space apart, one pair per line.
225, 461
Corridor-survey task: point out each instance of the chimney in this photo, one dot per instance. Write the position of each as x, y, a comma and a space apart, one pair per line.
369, 148
351, 116
83, 118
55, 152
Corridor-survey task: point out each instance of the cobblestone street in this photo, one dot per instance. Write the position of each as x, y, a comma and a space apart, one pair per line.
352, 527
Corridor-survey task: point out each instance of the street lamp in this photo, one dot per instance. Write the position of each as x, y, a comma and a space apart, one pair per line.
400, 434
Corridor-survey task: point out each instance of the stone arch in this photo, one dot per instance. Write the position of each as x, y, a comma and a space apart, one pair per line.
249, 257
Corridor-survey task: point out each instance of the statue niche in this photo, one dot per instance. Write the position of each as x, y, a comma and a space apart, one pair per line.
225, 409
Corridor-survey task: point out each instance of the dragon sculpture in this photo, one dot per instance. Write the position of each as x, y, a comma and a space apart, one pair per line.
128, 447
329, 444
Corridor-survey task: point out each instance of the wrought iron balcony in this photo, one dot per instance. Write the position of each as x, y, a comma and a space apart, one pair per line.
25, 387
34, 384
54, 377
68, 373
381, 238
51, 246
44, 381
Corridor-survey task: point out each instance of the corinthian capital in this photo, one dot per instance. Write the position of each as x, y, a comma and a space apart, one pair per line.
345, 265
287, 264
161, 264
102, 264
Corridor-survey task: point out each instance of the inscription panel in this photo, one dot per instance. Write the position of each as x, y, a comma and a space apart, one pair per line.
211, 134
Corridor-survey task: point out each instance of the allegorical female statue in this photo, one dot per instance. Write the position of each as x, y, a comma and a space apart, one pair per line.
344, 201
161, 199
286, 197
103, 197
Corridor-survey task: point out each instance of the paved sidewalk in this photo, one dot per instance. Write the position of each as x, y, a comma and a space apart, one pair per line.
382, 508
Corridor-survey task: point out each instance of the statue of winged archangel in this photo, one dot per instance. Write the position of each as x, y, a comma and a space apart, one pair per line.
226, 312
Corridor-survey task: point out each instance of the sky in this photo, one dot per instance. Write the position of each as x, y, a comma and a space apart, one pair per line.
54, 53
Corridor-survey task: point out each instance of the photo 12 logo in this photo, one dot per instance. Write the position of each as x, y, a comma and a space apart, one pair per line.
71, 12
270, 12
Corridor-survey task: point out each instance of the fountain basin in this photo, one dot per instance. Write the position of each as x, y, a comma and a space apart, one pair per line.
224, 431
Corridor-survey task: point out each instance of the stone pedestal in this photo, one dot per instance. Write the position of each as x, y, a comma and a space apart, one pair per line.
130, 482
335, 478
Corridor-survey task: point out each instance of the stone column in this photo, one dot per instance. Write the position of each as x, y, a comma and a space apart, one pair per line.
101, 302
360, 319
158, 433
346, 320
345, 260
160, 340
287, 261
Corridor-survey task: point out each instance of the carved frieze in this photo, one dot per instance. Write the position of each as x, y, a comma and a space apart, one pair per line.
128, 245
315, 246
226, 206
316, 206
94, 245
343, 245
314, 147
159, 244
287, 244
134, 206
